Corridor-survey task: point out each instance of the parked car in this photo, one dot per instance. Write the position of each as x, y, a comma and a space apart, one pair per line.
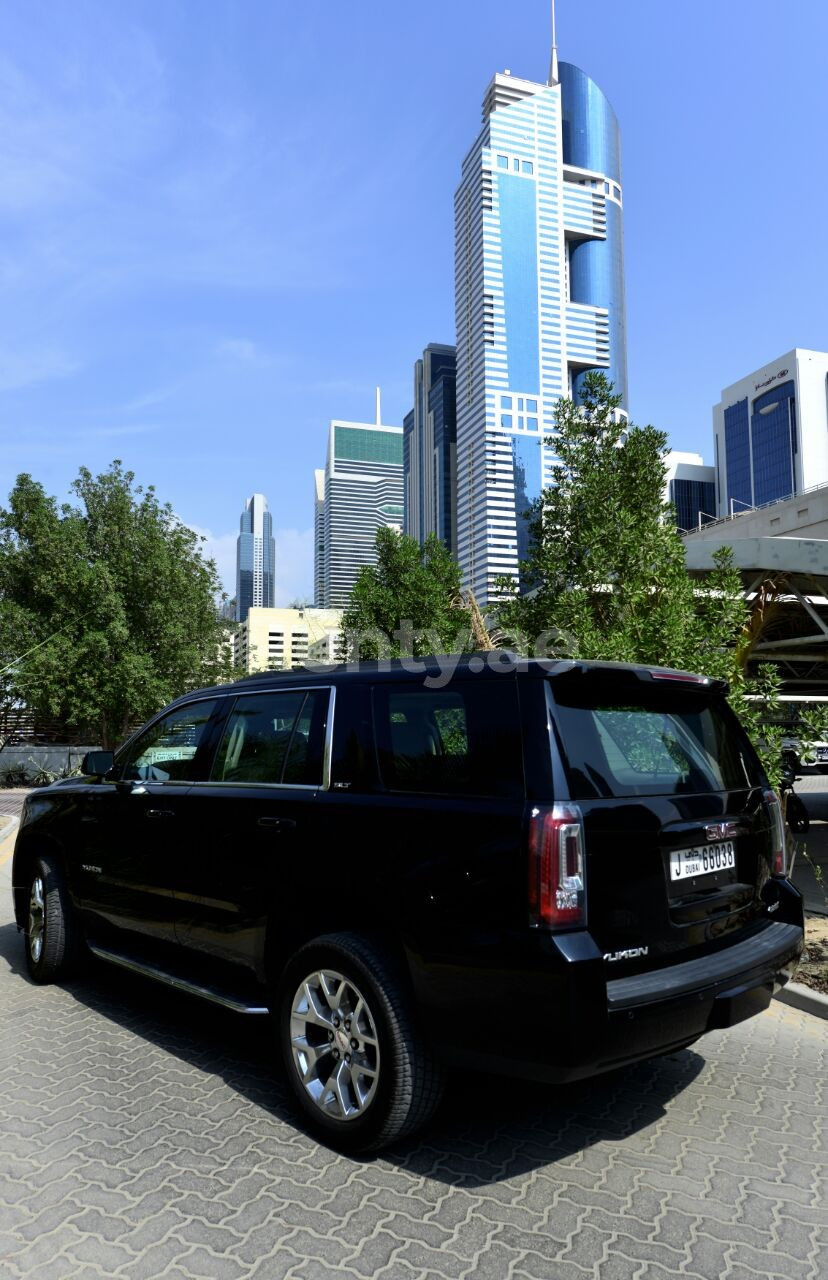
545, 869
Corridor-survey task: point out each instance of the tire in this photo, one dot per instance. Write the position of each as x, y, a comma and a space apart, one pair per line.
390, 1084
51, 931
797, 815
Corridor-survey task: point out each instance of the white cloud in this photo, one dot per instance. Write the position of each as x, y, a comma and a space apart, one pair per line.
242, 351
22, 368
294, 561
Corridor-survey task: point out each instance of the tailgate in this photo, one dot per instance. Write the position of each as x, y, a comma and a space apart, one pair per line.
678, 836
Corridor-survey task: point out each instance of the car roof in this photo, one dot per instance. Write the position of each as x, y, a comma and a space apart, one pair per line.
477, 666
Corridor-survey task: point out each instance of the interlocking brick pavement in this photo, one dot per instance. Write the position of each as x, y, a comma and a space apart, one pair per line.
143, 1135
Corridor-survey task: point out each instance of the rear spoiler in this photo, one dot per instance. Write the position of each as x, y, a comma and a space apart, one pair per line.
618, 674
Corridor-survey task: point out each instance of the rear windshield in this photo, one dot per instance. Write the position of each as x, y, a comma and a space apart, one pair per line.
675, 745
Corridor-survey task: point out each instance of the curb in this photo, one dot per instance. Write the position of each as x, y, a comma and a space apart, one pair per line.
801, 997
8, 824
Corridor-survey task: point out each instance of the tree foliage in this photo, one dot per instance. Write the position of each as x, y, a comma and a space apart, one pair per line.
606, 574
408, 603
107, 606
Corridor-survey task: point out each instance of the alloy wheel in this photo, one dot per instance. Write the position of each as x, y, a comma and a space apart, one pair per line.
334, 1044
36, 919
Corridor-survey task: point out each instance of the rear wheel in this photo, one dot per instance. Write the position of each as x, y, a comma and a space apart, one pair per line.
355, 1061
51, 933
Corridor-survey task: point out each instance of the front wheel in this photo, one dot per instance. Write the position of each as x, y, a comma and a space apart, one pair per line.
51, 935
358, 1067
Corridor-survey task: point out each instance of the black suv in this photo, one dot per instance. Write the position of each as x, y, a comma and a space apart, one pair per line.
547, 869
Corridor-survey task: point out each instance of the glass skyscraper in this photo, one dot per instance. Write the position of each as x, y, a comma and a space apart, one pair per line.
360, 490
255, 558
430, 448
539, 298
771, 432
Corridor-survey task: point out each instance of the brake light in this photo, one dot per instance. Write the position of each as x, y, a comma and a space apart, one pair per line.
556, 867
777, 832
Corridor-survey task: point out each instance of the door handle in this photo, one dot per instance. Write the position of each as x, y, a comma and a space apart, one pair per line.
277, 824
160, 813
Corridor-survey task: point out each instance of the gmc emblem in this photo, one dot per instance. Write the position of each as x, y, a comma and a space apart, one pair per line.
721, 830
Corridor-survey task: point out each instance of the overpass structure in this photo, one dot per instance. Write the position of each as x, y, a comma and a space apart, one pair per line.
789, 572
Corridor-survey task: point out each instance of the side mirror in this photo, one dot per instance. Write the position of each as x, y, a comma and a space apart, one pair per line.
96, 763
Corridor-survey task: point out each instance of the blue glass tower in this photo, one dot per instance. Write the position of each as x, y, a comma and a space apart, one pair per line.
255, 558
540, 300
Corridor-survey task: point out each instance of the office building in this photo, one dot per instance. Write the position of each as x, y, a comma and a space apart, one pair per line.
430, 449
280, 639
771, 432
255, 558
691, 487
539, 298
360, 492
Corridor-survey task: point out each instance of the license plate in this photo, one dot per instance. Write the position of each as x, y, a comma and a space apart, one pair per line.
702, 861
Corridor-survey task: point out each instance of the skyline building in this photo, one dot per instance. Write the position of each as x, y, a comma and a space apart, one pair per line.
430, 448
539, 294
691, 487
359, 492
255, 558
770, 432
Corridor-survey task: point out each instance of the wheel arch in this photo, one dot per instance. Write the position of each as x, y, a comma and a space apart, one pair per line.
31, 845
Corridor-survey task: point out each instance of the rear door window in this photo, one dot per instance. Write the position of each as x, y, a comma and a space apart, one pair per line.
462, 741
275, 738
622, 746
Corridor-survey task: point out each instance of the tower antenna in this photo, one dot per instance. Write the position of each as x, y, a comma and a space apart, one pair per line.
553, 64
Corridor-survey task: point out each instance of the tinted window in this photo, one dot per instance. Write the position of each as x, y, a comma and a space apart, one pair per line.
274, 738
463, 740
166, 752
652, 747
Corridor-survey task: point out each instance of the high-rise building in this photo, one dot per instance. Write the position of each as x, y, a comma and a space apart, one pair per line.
318, 535
771, 432
430, 449
363, 490
255, 558
691, 487
539, 298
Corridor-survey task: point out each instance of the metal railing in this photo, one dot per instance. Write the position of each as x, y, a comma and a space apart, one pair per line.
762, 506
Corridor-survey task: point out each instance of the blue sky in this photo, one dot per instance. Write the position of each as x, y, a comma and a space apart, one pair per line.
223, 223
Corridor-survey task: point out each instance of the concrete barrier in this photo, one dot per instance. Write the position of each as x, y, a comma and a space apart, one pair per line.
32, 760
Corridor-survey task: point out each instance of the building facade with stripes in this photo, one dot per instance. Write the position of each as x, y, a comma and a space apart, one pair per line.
255, 558
361, 491
539, 291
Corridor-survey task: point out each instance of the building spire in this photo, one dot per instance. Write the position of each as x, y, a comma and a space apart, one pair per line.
553, 64
379, 407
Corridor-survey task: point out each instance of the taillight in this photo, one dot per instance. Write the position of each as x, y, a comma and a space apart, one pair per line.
556, 867
777, 832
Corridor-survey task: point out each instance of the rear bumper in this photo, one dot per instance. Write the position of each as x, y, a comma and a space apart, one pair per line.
584, 1025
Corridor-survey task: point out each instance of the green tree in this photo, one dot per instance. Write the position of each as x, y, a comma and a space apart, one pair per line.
112, 600
606, 576
408, 603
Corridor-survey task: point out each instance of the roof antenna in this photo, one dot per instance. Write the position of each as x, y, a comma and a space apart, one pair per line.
379, 407
553, 65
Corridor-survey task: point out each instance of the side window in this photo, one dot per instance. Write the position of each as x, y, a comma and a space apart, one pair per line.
462, 741
166, 752
274, 738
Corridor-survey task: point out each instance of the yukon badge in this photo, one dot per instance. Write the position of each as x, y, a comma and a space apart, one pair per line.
632, 953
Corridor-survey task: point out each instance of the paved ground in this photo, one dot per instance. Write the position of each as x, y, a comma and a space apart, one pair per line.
143, 1135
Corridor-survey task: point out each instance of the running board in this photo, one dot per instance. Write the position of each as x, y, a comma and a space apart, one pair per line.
180, 984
